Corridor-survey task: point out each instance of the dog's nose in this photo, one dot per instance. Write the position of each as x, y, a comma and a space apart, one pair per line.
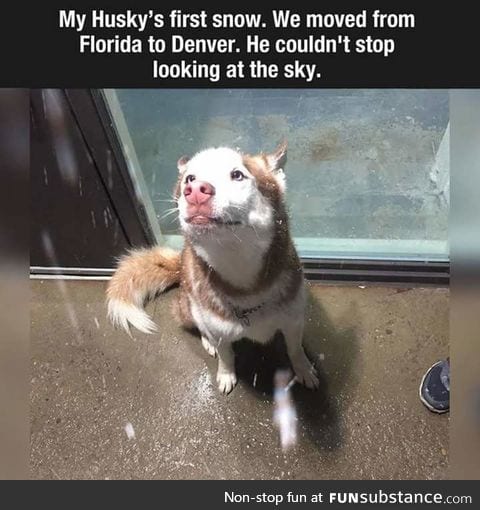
198, 192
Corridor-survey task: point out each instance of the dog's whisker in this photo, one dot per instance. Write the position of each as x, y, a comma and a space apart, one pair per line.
168, 213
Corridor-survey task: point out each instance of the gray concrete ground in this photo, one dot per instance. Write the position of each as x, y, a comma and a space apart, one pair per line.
366, 422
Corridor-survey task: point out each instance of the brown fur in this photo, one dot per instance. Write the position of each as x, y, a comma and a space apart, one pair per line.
267, 185
147, 271
181, 310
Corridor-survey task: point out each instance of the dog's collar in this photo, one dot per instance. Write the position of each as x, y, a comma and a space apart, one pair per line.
243, 314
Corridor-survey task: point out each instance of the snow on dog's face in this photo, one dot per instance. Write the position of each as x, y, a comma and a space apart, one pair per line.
222, 191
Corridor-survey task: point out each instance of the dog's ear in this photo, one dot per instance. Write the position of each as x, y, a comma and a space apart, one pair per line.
182, 163
278, 158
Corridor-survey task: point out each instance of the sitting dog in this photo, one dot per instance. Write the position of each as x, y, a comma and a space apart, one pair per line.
239, 273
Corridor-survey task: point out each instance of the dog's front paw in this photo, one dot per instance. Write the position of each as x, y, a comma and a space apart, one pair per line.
307, 375
209, 347
226, 381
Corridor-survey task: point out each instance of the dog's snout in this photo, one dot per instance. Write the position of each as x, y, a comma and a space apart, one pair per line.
198, 192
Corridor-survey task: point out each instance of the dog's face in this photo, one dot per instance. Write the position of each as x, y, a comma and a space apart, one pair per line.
221, 191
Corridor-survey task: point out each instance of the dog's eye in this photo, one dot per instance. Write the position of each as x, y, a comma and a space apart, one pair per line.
189, 178
237, 175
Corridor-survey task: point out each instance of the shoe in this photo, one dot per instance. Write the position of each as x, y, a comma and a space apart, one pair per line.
435, 387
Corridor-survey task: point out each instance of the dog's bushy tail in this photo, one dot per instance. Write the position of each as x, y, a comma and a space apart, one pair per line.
140, 276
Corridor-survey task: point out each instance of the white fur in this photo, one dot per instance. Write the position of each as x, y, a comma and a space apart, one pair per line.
209, 347
226, 381
212, 326
224, 250
125, 314
215, 166
229, 248
271, 317
281, 180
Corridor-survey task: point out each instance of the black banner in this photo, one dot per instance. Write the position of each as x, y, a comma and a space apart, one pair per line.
260, 494
319, 44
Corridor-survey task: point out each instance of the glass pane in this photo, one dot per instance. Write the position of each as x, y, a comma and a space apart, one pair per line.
367, 172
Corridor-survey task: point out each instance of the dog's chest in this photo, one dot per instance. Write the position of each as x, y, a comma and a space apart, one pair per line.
256, 318
256, 324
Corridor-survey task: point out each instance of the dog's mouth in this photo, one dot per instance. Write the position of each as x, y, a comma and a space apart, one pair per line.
202, 220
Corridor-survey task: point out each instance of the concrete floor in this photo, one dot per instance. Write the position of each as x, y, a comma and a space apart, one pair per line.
366, 422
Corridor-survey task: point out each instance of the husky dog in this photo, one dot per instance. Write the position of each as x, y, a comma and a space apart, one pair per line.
239, 274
